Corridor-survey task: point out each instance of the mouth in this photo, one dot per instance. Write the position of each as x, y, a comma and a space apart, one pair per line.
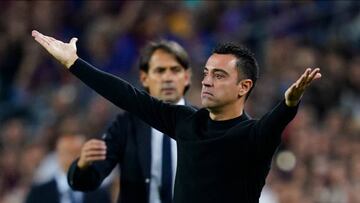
207, 94
167, 90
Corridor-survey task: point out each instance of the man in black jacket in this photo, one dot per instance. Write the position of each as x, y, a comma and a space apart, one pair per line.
223, 155
133, 144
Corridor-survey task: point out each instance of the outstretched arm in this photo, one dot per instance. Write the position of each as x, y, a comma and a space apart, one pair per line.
271, 125
159, 115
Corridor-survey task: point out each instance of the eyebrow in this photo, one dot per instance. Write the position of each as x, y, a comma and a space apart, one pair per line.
171, 67
217, 70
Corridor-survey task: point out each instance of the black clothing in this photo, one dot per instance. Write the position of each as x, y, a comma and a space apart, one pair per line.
166, 171
49, 192
128, 142
218, 161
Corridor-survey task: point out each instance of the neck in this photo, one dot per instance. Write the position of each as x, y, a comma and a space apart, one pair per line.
226, 112
178, 101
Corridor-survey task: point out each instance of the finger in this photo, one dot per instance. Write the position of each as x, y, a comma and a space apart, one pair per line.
90, 145
90, 151
94, 153
95, 158
312, 75
73, 40
96, 145
304, 79
100, 156
49, 40
94, 148
45, 38
317, 76
35, 33
42, 42
291, 89
300, 80
45, 44
96, 141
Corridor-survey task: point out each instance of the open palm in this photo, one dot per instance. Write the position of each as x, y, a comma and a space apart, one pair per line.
294, 93
65, 53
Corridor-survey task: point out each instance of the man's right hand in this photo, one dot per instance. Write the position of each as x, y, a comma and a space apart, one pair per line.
93, 150
65, 53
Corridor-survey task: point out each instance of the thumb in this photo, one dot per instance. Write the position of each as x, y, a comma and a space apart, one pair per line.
73, 41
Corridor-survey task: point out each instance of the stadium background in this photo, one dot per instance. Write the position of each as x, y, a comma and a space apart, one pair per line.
319, 160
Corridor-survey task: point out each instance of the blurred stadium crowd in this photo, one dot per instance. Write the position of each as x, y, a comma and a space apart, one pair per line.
319, 161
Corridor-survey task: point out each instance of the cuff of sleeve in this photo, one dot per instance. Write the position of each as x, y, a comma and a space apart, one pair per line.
291, 110
77, 64
290, 107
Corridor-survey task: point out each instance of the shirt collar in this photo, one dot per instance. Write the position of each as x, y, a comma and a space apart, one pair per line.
61, 181
181, 102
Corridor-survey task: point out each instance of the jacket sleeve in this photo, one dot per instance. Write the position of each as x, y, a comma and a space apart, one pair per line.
269, 128
160, 115
91, 178
31, 196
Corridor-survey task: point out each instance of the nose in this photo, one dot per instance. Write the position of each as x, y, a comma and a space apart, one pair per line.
168, 76
207, 81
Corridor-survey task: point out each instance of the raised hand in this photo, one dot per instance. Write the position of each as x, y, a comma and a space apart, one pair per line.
65, 53
294, 93
93, 150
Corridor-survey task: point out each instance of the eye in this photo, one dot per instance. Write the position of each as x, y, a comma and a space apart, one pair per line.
219, 76
159, 70
176, 69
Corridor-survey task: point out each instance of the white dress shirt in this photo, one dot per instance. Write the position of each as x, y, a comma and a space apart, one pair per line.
156, 165
64, 189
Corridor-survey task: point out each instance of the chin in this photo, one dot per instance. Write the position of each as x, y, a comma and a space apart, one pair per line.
169, 99
207, 104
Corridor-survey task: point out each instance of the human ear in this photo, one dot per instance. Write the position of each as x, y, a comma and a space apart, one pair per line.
144, 79
245, 86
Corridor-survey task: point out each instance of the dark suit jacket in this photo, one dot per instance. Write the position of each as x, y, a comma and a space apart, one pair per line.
48, 192
128, 142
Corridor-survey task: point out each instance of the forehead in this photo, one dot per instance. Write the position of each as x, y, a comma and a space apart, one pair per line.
162, 58
226, 62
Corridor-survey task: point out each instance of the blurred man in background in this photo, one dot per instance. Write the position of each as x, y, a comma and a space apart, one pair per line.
146, 157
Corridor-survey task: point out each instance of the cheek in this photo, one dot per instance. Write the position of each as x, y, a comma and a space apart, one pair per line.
154, 83
154, 88
151, 88
181, 82
228, 91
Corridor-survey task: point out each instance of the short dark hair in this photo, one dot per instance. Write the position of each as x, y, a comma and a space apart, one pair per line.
246, 63
168, 46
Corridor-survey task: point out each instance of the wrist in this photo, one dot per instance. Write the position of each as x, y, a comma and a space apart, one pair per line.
291, 103
82, 165
71, 62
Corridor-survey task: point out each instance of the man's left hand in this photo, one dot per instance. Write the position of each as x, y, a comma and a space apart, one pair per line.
294, 93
